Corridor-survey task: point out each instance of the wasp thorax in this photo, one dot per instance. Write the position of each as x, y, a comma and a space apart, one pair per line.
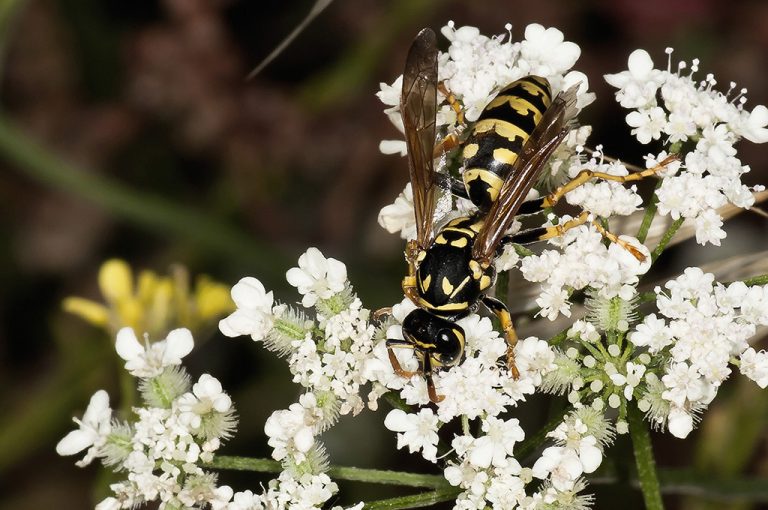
439, 339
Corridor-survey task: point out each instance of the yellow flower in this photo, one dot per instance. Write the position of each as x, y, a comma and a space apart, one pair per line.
152, 304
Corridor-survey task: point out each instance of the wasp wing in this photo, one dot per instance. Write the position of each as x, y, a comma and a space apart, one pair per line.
548, 134
418, 107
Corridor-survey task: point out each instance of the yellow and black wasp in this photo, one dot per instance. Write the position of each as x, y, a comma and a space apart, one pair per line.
449, 272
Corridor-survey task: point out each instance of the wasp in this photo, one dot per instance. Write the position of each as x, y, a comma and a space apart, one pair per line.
450, 271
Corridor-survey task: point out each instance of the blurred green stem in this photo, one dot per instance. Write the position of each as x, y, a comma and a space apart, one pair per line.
646, 465
650, 214
416, 501
155, 212
530, 444
757, 280
336, 472
668, 235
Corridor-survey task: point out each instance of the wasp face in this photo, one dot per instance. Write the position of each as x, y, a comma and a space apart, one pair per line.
441, 340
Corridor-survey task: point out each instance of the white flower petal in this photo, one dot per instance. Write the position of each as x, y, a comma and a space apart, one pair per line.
179, 343
76, 441
127, 345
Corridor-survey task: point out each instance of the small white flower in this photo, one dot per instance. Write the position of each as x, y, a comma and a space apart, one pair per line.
755, 366
647, 124
653, 333
753, 127
546, 52
554, 302
150, 360
399, 216
92, 432
290, 432
207, 409
680, 422
708, 229
317, 277
638, 85
495, 447
416, 431
561, 465
254, 310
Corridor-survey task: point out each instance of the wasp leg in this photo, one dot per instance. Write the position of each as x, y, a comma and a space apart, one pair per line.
535, 235
585, 175
382, 312
455, 186
447, 144
455, 103
409, 282
507, 326
433, 396
451, 141
399, 370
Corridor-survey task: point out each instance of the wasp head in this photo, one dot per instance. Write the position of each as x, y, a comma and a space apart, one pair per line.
438, 342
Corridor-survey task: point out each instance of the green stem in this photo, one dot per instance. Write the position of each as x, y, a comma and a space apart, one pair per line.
668, 235
530, 444
416, 501
646, 466
337, 472
396, 401
757, 280
650, 214
502, 286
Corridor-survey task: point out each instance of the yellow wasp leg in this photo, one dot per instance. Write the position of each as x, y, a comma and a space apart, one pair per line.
508, 327
409, 282
452, 101
451, 141
558, 230
447, 144
585, 175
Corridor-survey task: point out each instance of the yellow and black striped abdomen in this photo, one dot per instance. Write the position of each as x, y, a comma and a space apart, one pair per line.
499, 134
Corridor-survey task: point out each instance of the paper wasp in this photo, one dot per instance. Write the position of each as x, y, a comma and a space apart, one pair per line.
450, 271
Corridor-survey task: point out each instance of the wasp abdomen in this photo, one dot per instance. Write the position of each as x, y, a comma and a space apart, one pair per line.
499, 134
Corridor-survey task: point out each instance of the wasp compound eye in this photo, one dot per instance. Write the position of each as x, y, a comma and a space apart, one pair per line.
449, 345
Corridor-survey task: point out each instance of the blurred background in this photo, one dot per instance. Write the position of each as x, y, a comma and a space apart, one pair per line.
128, 130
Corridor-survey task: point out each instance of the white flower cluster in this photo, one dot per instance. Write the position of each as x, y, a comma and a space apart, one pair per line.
702, 122
326, 357
583, 261
704, 327
492, 477
179, 427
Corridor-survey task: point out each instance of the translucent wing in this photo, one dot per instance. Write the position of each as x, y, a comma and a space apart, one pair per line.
418, 106
547, 135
